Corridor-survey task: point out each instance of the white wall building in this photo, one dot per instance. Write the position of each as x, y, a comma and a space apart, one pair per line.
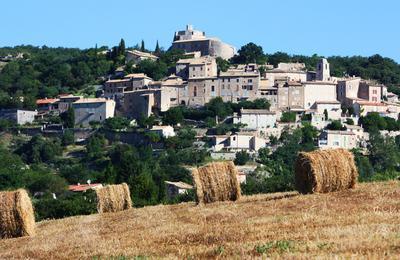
255, 119
337, 139
163, 130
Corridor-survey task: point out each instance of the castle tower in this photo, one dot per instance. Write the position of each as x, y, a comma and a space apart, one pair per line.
323, 71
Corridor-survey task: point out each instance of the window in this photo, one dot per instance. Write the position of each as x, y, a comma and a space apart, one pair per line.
243, 87
212, 88
193, 68
250, 80
234, 138
237, 80
194, 91
250, 87
229, 80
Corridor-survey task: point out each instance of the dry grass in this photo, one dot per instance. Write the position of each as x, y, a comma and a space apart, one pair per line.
325, 171
362, 223
16, 214
216, 181
113, 198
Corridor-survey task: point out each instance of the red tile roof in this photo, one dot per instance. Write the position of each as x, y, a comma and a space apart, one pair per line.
46, 101
84, 187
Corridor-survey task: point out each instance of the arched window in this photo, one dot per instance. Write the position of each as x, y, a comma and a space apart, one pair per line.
212, 88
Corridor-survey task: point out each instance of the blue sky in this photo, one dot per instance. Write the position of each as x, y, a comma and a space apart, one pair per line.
352, 27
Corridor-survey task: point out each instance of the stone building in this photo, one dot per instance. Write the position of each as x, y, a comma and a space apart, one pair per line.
143, 102
238, 84
194, 68
87, 110
318, 91
115, 88
18, 116
370, 91
323, 70
347, 90
290, 95
269, 93
136, 56
255, 119
192, 40
337, 139
65, 101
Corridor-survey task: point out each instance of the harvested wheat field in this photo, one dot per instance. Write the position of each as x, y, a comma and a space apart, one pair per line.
363, 222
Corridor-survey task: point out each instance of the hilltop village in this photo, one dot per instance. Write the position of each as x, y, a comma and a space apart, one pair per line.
153, 115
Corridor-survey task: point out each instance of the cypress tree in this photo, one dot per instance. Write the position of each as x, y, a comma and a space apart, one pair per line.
142, 48
157, 50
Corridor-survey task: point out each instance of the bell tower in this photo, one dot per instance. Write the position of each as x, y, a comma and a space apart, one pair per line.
323, 71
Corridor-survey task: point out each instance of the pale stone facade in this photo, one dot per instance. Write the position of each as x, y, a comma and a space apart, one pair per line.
255, 119
290, 96
333, 108
116, 88
239, 84
323, 70
192, 40
369, 91
18, 116
337, 139
347, 90
136, 56
318, 91
87, 110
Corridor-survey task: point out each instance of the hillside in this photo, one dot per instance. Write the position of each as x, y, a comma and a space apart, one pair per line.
364, 222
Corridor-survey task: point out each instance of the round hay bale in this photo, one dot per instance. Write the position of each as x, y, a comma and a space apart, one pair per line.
325, 171
17, 218
216, 181
113, 198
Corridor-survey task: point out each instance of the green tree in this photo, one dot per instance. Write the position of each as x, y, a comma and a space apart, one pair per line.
142, 48
222, 65
326, 115
242, 157
68, 137
157, 50
173, 116
335, 125
288, 117
121, 47
116, 123
68, 118
219, 108
95, 146
250, 53
373, 122
383, 152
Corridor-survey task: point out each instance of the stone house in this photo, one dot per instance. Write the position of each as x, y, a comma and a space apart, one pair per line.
175, 189
333, 108
163, 130
238, 84
115, 88
337, 139
18, 116
255, 119
65, 101
87, 110
138, 56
